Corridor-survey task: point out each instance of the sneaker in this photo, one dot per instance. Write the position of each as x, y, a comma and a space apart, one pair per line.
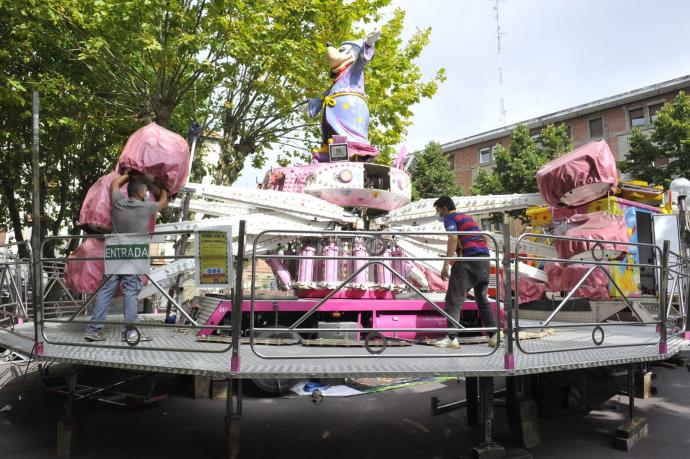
448, 343
94, 336
132, 337
492, 339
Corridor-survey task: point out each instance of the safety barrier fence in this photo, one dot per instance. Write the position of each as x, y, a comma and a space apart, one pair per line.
375, 242
582, 336
15, 293
80, 305
671, 270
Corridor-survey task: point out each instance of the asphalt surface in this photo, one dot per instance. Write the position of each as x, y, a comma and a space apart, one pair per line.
394, 424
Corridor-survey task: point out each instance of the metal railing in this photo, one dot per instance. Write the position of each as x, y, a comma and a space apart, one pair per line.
375, 341
14, 284
596, 330
80, 306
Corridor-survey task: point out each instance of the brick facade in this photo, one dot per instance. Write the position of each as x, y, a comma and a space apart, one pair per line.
614, 112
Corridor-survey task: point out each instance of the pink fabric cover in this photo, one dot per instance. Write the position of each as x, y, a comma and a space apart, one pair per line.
84, 276
95, 210
597, 225
157, 151
590, 164
528, 290
564, 278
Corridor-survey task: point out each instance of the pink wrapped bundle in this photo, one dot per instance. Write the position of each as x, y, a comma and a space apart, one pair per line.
95, 210
583, 175
528, 290
84, 276
597, 225
564, 278
157, 151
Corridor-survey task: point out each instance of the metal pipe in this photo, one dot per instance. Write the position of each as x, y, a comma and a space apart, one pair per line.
236, 317
663, 287
90, 300
509, 358
169, 298
36, 231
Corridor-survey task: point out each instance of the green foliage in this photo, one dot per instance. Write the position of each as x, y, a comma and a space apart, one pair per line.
105, 68
517, 166
433, 177
669, 140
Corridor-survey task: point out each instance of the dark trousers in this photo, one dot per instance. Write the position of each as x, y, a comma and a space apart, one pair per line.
465, 275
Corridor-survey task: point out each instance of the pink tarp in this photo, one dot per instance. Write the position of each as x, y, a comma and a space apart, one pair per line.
564, 278
95, 210
597, 225
583, 175
84, 276
157, 151
528, 290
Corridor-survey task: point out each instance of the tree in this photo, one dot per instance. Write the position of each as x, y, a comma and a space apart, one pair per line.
277, 63
432, 176
517, 166
670, 140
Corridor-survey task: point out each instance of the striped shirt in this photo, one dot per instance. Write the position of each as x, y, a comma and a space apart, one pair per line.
469, 245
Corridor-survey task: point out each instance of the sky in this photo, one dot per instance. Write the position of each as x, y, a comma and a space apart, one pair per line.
555, 54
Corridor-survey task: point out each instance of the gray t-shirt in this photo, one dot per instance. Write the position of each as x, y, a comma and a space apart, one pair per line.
130, 215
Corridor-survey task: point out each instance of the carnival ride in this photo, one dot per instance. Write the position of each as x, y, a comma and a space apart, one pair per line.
592, 281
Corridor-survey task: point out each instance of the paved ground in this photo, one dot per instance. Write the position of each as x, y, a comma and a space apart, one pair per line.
395, 424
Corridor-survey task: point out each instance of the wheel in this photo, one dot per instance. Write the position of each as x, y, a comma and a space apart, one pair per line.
276, 385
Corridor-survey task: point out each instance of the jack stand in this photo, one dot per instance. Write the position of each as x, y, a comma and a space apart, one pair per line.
66, 428
487, 449
233, 414
636, 428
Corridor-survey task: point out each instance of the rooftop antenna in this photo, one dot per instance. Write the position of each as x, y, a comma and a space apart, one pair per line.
500, 59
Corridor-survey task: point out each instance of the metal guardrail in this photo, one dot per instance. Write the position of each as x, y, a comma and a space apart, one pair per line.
374, 334
82, 306
599, 262
14, 284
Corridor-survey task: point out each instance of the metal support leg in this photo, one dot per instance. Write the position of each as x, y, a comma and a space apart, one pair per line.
472, 394
487, 449
66, 428
523, 414
636, 428
233, 414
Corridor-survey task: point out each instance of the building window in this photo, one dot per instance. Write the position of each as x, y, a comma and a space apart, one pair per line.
486, 155
451, 161
653, 109
596, 128
569, 130
637, 117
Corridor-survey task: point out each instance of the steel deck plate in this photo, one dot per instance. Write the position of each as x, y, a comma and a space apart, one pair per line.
412, 361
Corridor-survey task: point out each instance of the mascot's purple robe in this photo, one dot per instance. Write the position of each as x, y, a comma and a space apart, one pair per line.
345, 110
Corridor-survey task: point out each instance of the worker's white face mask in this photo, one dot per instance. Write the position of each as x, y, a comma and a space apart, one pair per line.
148, 196
439, 217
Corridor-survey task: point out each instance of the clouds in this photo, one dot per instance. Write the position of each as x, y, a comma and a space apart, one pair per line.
556, 54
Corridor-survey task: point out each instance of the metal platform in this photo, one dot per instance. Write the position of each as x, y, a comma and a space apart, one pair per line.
536, 356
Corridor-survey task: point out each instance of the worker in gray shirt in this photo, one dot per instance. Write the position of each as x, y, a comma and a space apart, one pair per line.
129, 215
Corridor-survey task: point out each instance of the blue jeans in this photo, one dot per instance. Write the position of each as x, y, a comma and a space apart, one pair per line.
131, 286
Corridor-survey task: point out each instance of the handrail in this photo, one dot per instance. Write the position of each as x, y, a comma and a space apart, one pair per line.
193, 325
599, 262
369, 261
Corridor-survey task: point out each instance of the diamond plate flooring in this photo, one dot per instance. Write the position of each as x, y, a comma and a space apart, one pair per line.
181, 353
